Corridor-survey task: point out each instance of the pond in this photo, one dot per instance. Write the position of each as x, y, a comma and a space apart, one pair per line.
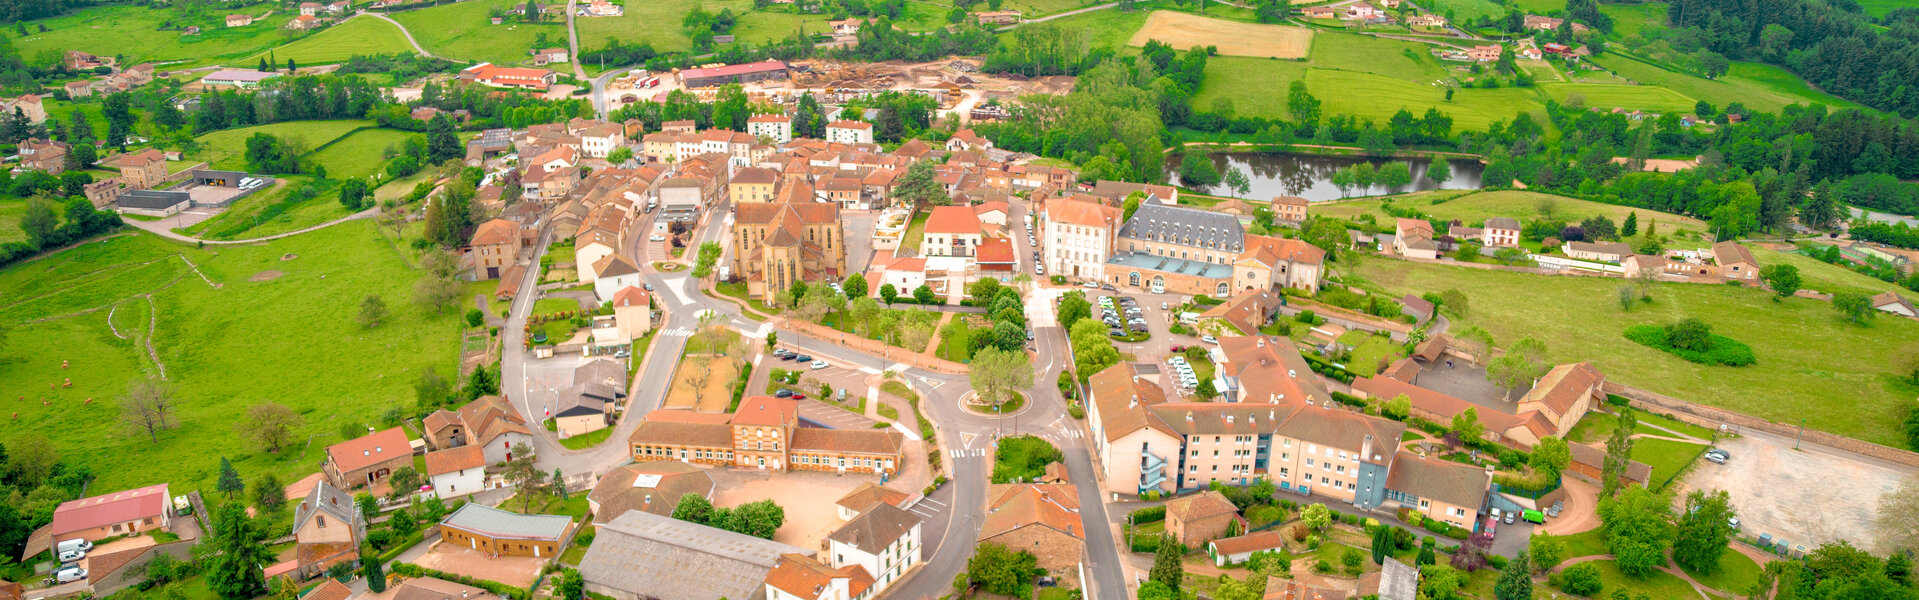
1310, 176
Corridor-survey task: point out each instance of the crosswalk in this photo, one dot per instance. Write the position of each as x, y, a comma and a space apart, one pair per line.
677, 332
1063, 435
958, 453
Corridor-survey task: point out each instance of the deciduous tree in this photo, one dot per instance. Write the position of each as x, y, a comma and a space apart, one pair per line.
269, 424
1783, 279
1704, 530
1898, 518
1638, 528
372, 311
996, 374
147, 407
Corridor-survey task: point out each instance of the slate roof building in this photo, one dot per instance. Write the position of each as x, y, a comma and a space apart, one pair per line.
501, 533
642, 556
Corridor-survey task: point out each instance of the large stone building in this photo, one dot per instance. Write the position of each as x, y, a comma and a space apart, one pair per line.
1078, 237
765, 434
1043, 519
1166, 248
776, 244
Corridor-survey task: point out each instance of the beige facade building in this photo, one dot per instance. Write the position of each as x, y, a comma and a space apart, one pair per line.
1078, 237
777, 244
765, 434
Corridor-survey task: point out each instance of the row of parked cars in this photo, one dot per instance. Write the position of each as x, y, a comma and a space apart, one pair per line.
1111, 311
70, 552
1187, 380
805, 359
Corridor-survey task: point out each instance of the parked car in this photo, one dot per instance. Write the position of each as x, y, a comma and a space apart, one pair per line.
1115, 333
1721, 452
72, 555
1509, 518
78, 544
1179, 349
1088, 284
647, 286
804, 358
69, 575
799, 396
1716, 459
819, 364
1107, 286
782, 352
656, 238
783, 393
1208, 338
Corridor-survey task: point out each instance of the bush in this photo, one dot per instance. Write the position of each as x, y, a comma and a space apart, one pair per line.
1581, 580
504, 590
1150, 514
1719, 349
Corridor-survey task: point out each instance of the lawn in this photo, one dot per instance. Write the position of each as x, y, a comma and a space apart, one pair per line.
1821, 276
226, 149
62, 112
1759, 87
11, 209
1105, 28
1879, 8
956, 339
1022, 458
358, 154
1370, 352
1476, 207
1629, 19
1659, 586
1666, 457
1377, 97
588, 440
251, 339
1467, 10
134, 33
1379, 56
461, 30
1736, 575
356, 36
1585, 543
1852, 393
915, 231
254, 216
1630, 97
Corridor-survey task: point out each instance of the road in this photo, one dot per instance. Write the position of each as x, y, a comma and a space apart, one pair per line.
160, 228
409, 37
965, 437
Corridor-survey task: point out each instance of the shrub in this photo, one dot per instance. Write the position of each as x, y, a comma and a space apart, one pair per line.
1581, 580
1718, 349
1150, 514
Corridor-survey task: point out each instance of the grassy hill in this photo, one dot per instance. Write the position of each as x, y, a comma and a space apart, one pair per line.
355, 36
1474, 207
234, 326
135, 31
461, 30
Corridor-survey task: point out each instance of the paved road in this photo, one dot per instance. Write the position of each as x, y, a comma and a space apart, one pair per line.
573, 39
160, 228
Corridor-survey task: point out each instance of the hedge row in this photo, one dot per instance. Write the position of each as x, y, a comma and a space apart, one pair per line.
1721, 350
1328, 369
504, 590
1150, 514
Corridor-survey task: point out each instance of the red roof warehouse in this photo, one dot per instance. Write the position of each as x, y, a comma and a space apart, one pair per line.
746, 73
508, 77
107, 515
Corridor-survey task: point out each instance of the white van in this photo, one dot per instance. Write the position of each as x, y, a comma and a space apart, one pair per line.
69, 575
72, 545
1188, 318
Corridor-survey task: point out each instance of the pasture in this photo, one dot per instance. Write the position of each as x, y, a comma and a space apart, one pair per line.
358, 154
233, 326
1759, 87
358, 36
1853, 393
1629, 97
1183, 31
1409, 61
1376, 97
226, 149
1474, 207
460, 30
1105, 28
135, 32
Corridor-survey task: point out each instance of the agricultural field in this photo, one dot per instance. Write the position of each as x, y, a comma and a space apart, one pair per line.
1629, 19
1409, 61
355, 37
11, 210
1759, 87
1105, 28
659, 24
134, 31
226, 149
358, 154
460, 30
1476, 207
1468, 10
1629, 97
1183, 31
233, 326
1853, 393
1375, 97
269, 212
1879, 8
62, 112
1817, 275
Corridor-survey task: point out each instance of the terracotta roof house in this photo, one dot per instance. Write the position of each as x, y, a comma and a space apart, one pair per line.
108, 515
799, 576
1235, 550
654, 487
1736, 262
1895, 304
1589, 463
329, 589
1042, 519
1244, 313
1201, 517
866, 496
434, 588
1440, 489
367, 460
456, 472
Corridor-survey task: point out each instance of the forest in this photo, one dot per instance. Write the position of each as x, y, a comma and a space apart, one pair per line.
1835, 49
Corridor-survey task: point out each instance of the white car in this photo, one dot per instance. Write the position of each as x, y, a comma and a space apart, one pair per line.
1208, 338
72, 555
819, 364
69, 575
656, 238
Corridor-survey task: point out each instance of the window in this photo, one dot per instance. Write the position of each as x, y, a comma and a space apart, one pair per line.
1309, 463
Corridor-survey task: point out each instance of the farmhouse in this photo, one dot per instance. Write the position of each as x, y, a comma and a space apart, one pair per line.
328, 528
1895, 304
1413, 238
1320, 12
544, 56
487, 422
1485, 53
495, 246
456, 472
765, 434
1736, 262
654, 487
997, 17
1426, 20
367, 460
1201, 517
1601, 251
239, 20
1041, 518
501, 533
107, 515
1235, 550
140, 170
744, 73
509, 77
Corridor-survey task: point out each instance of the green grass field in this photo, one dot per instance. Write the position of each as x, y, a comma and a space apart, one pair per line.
1629, 97
226, 149
134, 31
358, 154
11, 210
1852, 392
1666, 457
1879, 8
1522, 205
657, 23
1659, 586
62, 112
1465, 10
1251, 84
356, 36
1379, 56
1737, 573
242, 220
244, 338
1630, 19
460, 30
1759, 87
1817, 275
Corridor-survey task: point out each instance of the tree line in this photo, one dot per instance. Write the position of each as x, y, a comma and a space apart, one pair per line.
1838, 50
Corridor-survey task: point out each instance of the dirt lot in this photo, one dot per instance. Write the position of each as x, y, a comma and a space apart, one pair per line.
518, 571
1233, 38
1808, 496
713, 374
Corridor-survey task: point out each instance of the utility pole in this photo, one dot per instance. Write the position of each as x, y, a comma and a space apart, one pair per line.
1802, 434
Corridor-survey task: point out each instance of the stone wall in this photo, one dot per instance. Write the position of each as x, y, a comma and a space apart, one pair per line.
1713, 418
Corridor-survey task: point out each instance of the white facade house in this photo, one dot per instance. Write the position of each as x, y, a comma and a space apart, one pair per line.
849, 132
612, 274
884, 541
1078, 238
778, 128
457, 472
600, 140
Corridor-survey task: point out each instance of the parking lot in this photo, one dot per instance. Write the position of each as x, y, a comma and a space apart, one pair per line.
1158, 320
1808, 497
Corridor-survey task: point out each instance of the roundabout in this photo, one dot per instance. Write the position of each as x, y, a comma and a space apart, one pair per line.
1013, 407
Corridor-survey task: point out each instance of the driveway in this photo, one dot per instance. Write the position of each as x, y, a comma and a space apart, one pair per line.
1807, 497
859, 225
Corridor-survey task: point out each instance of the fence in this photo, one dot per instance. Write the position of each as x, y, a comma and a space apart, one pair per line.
1713, 418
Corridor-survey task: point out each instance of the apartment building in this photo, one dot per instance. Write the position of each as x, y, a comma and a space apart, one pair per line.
1078, 237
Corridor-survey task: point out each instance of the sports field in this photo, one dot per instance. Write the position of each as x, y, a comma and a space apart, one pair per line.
356, 36
1182, 31
357, 155
134, 31
233, 326
1629, 97
460, 30
1851, 391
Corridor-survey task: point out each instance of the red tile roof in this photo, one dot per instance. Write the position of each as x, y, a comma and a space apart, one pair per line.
366, 451
954, 220
766, 410
455, 459
107, 509
631, 296
497, 231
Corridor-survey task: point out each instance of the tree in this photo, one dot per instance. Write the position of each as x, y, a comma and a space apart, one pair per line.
1582, 579
1167, 569
1631, 226
229, 483
1704, 530
1300, 104
528, 481
1516, 580
1197, 170
431, 390
1784, 279
1638, 528
1382, 544
30, 459
1854, 307
369, 563
1316, 517
1399, 407
1551, 455
1131, 205
405, 481
1440, 171
919, 187
269, 495
39, 222
1466, 425
1618, 453
693, 508
442, 143
619, 155
1546, 550
572, 585
235, 555
996, 373
147, 407
762, 518
855, 286
1454, 302
1001, 570
372, 311
270, 425
1394, 175
889, 293
924, 295
1471, 554
1898, 519
353, 194
1523, 363
1073, 307
1689, 334
1236, 180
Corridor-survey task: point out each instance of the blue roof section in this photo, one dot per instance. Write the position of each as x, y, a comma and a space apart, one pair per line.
1169, 264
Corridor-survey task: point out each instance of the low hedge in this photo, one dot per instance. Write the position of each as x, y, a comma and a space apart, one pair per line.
1721, 350
504, 590
1150, 514
389, 554
1322, 367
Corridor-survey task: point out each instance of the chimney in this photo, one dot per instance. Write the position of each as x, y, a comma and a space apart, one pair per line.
1189, 416
1366, 447
1229, 419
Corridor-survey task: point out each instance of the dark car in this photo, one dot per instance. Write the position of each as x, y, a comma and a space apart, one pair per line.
1115, 333
783, 393
1108, 287
805, 358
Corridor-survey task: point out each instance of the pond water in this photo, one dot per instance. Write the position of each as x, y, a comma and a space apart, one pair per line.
1310, 176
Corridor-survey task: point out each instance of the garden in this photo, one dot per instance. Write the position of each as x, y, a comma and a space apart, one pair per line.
1023, 458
